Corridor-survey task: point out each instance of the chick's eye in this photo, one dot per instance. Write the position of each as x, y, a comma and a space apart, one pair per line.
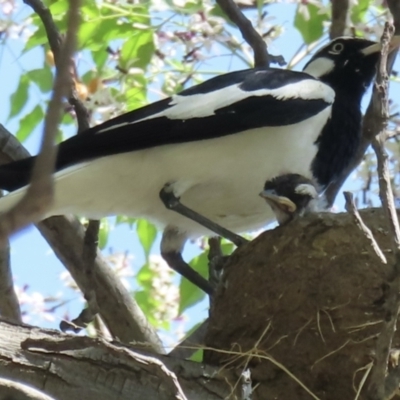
336, 48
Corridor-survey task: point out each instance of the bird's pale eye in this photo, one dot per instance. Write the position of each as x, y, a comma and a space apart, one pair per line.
337, 48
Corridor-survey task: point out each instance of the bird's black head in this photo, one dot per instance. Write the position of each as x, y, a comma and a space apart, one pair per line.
289, 195
346, 63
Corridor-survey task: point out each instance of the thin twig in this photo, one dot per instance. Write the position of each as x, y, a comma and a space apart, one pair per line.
55, 40
261, 56
39, 195
352, 209
376, 389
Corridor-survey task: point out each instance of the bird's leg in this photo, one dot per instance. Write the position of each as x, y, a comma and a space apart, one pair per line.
173, 203
171, 250
216, 260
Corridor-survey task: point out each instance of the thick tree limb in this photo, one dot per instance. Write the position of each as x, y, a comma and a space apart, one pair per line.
9, 305
340, 10
69, 367
10, 390
122, 315
90, 246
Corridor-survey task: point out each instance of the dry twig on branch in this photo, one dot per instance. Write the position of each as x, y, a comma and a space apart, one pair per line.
376, 389
352, 209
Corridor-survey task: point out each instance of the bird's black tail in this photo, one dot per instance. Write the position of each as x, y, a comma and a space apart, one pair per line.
16, 174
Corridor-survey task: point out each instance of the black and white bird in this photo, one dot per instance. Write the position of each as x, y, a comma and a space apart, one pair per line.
290, 196
213, 146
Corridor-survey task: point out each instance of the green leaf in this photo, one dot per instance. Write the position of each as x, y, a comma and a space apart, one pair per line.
42, 77
137, 50
189, 293
135, 97
89, 9
145, 276
123, 219
67, 119
29, 122
37, 38
96, 34
359, 11
100, 58
227, 247
147, 305
311, 27
59, 7
147, 234
197, 356
104, 233
19, 98
190, 7
86, 34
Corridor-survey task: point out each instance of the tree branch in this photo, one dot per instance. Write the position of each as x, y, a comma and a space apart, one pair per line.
120, 312
74, 367
340, 10
261, 56
10, 390
9, 305
376, 389
39, 195
352, 209
55, 40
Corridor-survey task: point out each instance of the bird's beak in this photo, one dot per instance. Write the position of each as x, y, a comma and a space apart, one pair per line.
282, 202
376, 47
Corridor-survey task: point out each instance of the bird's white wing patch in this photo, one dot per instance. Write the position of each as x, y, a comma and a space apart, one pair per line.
306, 189
206, 104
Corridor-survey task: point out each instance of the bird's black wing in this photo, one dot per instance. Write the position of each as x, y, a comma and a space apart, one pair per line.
225, 105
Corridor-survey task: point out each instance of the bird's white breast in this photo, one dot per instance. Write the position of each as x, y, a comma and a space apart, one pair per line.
220, 178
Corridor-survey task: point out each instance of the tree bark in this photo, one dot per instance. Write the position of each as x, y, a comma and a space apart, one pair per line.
67, 367
301, 306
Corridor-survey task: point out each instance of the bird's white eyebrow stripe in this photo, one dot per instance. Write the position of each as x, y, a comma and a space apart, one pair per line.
203, 105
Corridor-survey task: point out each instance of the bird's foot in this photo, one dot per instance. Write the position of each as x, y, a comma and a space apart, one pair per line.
173, 203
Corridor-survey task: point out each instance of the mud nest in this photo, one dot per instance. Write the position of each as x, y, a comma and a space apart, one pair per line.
305, 299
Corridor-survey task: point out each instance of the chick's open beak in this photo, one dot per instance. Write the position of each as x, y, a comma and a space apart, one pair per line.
282, 202
376, 47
